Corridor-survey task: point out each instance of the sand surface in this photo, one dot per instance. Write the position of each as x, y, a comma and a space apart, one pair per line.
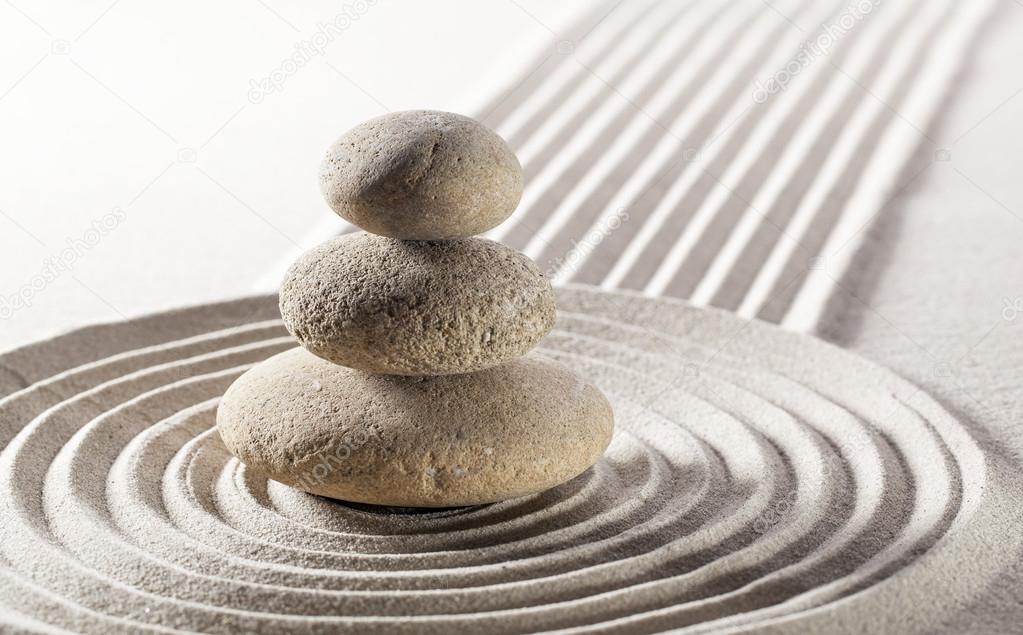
935, 294
758, 479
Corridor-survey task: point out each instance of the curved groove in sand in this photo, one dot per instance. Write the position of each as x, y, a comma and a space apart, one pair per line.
756, 477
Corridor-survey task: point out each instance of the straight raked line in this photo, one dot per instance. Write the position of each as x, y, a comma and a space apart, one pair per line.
845, 148
581, 144
795, 154
893, 152
657, 162
707, 53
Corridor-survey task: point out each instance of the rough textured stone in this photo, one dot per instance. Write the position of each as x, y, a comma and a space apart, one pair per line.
416, 307
422, 175
450, 440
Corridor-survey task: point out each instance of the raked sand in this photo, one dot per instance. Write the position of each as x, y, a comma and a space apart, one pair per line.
758, 480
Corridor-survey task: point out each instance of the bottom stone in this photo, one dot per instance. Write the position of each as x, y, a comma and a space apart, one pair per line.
515, 429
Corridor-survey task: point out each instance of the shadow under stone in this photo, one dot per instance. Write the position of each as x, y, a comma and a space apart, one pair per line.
385, 510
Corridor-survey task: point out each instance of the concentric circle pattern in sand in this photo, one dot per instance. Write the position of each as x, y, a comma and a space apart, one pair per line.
757, 478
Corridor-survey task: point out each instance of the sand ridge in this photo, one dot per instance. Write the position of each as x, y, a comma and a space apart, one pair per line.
758, 479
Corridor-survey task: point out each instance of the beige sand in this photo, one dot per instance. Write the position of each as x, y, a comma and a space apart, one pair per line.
758, 480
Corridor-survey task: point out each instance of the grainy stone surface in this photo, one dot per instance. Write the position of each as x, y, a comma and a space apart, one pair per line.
450, 440
416, 307
422, 175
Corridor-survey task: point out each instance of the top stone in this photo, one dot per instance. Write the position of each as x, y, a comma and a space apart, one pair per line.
422, 175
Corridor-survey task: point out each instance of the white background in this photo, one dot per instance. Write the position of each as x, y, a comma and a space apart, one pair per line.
145, 107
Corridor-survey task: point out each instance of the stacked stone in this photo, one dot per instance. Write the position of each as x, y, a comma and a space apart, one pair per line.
414, 385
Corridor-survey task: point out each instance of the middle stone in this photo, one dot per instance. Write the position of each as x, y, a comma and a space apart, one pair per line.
416, 307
